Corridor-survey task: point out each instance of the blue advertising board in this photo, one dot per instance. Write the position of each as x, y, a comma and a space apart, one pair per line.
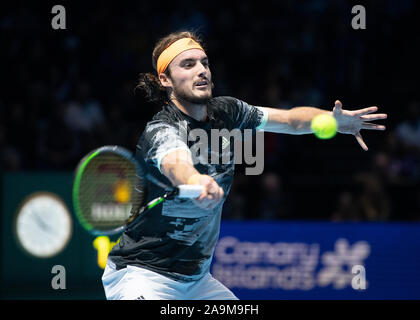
319, 260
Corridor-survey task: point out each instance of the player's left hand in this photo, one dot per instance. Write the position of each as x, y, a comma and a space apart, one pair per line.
351, 122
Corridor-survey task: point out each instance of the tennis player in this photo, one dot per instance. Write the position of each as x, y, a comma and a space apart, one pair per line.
168, 252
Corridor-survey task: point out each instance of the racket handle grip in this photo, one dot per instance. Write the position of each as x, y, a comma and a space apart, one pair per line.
189, 190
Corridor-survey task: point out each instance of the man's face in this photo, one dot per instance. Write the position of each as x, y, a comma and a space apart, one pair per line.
191, 77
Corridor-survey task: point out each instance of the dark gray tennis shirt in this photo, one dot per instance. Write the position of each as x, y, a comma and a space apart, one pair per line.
177, 238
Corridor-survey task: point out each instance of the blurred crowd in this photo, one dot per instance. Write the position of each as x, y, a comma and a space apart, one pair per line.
69, 91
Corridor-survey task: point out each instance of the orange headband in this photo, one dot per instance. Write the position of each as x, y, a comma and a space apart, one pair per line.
173, 50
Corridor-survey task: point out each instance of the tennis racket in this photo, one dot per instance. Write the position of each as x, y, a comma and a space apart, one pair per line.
110, 190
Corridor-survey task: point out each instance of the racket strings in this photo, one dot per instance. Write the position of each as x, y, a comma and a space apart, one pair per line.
110, 190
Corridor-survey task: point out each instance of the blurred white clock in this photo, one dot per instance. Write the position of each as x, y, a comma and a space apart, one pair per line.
43, 225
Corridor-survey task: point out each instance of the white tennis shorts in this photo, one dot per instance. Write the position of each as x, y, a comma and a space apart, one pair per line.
134, 283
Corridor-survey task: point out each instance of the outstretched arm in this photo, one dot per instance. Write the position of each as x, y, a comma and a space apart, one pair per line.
298, 120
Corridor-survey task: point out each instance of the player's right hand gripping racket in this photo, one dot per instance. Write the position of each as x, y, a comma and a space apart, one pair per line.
104, 198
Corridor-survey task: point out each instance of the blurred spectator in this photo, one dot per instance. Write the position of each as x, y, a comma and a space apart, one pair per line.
408, 131
85, 113
10, 159
390, 162
373, 200
235, 207
387, 166
408, 136
57, 146
273, 202
346, 209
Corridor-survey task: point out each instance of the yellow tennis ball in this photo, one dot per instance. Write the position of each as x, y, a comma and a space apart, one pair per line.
324, 126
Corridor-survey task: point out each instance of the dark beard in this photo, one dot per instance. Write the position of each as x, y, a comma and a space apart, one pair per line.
192, 99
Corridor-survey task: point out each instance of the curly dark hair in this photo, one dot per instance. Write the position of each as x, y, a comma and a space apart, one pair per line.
148, 83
